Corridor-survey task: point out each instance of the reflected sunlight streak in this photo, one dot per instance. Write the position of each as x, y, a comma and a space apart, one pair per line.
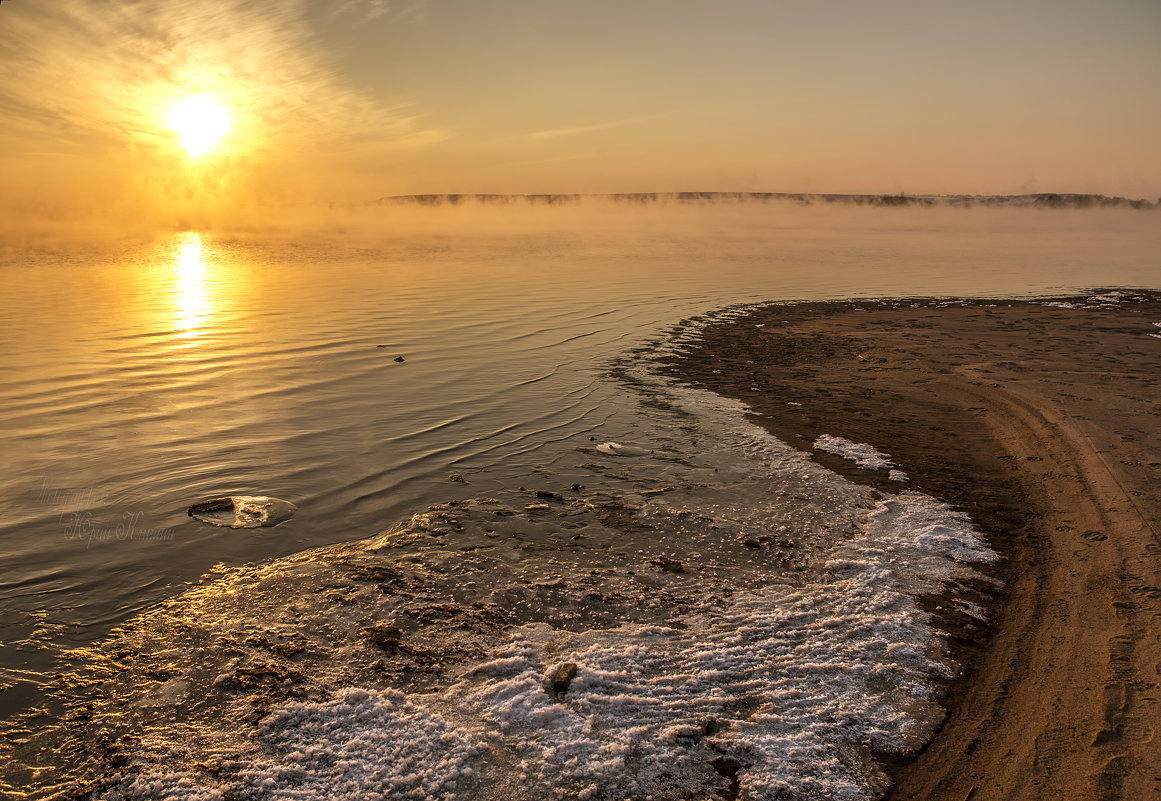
190, 295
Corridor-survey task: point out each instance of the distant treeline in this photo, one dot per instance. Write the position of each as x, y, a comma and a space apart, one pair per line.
1050, 200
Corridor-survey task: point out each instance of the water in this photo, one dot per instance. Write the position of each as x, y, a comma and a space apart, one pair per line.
141, 378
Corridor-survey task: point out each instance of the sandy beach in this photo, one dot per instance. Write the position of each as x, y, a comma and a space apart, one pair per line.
1039, 419
699, 605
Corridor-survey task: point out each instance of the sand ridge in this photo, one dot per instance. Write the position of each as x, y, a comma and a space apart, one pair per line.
1041, 419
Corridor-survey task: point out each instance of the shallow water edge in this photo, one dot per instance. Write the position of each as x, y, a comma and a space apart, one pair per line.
727, 613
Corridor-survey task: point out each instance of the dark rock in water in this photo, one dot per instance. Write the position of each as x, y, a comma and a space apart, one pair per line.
243, 511
399, 358
213, 506
562, 677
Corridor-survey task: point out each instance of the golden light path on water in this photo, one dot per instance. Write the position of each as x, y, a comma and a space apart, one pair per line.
190, 293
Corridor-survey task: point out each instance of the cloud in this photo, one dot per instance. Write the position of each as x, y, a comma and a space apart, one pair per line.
556, 133
84, 70
363, 11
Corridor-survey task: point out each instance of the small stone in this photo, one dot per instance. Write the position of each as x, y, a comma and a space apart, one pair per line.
399, 359
212, 506
752, 543
459, 479
562, 677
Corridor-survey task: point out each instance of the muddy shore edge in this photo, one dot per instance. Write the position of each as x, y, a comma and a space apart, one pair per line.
1042, 420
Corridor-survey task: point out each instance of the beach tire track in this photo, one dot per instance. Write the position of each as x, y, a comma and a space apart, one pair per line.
1057, 694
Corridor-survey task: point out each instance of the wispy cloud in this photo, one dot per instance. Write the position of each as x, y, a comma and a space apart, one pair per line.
366, 10
556, 133
78, 69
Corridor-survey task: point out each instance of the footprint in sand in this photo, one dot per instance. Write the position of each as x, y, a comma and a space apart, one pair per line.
1131, 732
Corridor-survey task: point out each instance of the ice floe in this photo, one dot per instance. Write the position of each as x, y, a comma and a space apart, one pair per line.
862, 454
243, 511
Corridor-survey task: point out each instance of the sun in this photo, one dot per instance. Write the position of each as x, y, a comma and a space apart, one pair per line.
201, 122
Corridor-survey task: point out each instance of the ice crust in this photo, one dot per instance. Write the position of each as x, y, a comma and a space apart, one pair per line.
243, 511
807, 657
800, 683
862, 454
768, 614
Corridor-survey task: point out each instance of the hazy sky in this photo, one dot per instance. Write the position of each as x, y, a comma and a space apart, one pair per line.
356, 99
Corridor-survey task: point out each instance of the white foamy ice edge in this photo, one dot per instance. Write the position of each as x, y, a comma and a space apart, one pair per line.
360, 744
805, 683
860, 453
836, 670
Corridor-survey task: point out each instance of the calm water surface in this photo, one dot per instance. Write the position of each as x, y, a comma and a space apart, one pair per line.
139, 378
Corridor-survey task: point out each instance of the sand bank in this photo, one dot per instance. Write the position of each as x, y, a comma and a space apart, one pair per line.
1041, 420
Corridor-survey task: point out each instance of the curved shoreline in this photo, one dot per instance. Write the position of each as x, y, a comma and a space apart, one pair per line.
411, 623
736, 616
1040, 419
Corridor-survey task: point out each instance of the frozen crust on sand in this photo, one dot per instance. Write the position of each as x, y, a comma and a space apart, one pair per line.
1041, 420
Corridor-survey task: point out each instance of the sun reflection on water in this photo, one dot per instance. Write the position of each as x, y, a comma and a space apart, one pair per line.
190, 295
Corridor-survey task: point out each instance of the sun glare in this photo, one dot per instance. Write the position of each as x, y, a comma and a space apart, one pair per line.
201, 122
190, 264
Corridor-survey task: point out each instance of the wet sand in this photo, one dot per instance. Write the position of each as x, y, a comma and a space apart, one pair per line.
1043, 422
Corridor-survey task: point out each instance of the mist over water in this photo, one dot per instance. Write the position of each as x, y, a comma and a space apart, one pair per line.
143, 374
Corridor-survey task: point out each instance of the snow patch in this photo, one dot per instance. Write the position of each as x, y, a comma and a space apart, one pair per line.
860, 453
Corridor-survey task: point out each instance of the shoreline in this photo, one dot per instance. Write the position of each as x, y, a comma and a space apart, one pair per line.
1039, 419
473, 602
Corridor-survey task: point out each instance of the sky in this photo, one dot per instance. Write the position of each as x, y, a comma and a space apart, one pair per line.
357, 99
